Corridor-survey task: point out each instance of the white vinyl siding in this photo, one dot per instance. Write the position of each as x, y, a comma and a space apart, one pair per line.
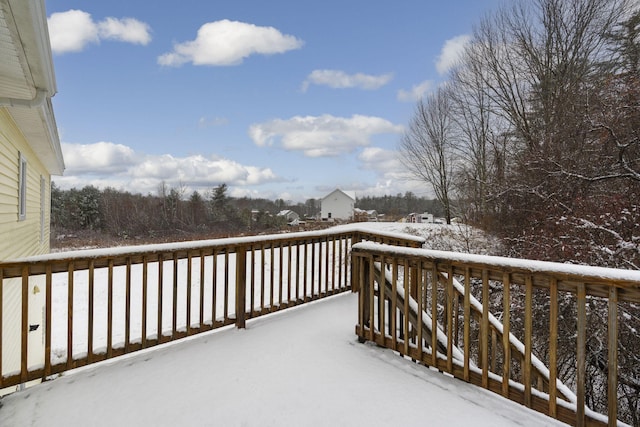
22, 187
21, 237
43, 207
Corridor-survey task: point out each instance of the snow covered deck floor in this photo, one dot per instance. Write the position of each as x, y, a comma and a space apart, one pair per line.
302, 367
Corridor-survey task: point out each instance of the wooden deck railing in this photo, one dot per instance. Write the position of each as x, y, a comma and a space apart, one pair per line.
103, 303
543, 311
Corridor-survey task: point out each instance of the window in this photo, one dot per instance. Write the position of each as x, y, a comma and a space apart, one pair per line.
22, 188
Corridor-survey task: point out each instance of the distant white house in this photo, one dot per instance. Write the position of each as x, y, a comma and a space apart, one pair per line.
292, 217
420, 217
337, 205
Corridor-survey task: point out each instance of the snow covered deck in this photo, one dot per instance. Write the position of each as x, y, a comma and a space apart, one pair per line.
302, 366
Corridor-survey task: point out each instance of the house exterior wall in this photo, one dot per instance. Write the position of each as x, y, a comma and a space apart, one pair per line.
30, 236
29, 153
337, 205
21, 238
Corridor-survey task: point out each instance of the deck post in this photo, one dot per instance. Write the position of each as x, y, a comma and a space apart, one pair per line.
241, 285
355, 283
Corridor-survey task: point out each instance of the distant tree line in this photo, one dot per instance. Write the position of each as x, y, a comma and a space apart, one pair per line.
172, 213
169, 214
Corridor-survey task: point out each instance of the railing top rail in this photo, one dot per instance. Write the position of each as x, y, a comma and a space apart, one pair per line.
224, 244
199, 244
566, 272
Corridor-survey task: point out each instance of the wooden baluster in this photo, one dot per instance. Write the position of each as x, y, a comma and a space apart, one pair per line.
214, 286
289, 255
340, 278
321, 284
24, 351
189, 284
394, 302
361, 273
333, 265
407, 294
506, 330
160, 295
271, 277
612, 381
581, 354
262, 278
419, 293
449, 321
252, 265
201, 302
297, 272
90, 312
528, 317
69, 316
456, 317
381, 299
372, 295
435, 275
484, 330
494, 346
305, 270
241, 286
127, 308
226, 285
280, 274
145, 279
553, 347
48, 315
313, 268
467, 322
174, 311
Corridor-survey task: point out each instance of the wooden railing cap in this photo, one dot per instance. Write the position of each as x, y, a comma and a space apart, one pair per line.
569, 271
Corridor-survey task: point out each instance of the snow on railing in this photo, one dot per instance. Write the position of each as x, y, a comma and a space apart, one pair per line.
70, 309
526, 352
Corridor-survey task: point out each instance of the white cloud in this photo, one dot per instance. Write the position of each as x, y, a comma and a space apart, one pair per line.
99, 158
416, 92
125, 30
107, 164
451, 53
383, 161
73, 30
228, 43
321, 136
339, 80
391, 176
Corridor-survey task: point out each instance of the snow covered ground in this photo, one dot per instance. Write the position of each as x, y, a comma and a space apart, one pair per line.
301, 367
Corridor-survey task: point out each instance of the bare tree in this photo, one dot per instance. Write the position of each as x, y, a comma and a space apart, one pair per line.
427, 147
479, 142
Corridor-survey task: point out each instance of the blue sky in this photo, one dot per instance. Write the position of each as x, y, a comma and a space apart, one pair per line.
278, 99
